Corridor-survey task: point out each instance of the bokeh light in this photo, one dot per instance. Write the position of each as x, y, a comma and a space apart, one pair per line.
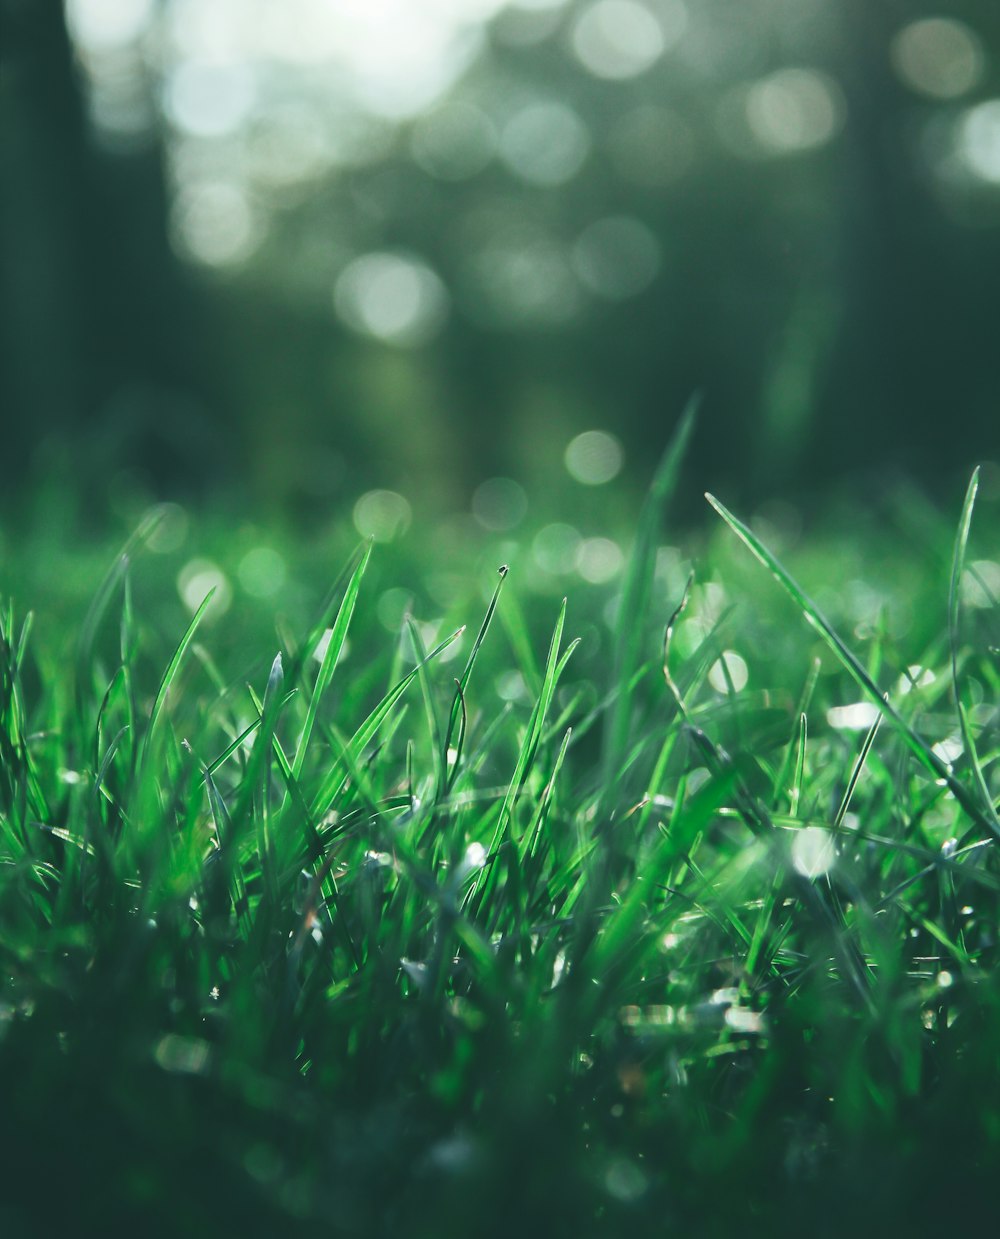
499, 504
729, 668
103, 26
454, 142
195, 581
813, 851
555, 547
594, 457
395, 297
938, 57
382, 514
262, 572
858, 716
618, 39
794, 110
215, 223
599, 560
617, 257
544, 143
979, 141
209, 100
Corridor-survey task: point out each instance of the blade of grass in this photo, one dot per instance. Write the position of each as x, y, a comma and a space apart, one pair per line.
331, 784
170, 675
859, 766
554, 666
101, 601
331, 656
815, 618
458, 717
439, 756
630, 634
954, 615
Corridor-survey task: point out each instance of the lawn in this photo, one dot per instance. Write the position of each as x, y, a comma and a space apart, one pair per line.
379, 903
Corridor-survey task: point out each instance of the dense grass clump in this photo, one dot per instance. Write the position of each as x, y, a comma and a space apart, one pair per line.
364, 946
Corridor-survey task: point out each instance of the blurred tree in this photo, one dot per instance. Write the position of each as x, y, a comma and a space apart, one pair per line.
100, 352
265, 264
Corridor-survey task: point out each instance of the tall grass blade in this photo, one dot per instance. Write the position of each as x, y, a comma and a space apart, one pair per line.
324, 798
630, 634
859, 765
170, 675
554, 666
917, 745
455, 735
331, 657
101, 601
954, 615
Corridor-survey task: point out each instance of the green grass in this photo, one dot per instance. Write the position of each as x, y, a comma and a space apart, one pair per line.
310, 927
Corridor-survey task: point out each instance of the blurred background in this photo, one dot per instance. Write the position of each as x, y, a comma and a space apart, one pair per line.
468, 255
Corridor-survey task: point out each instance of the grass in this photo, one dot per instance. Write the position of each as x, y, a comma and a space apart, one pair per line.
434, 933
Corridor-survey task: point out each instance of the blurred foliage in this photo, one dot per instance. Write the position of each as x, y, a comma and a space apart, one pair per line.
305, 250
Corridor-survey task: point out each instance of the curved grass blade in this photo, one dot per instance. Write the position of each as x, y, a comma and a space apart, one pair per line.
795, 742
171, 672
458, 718
815, 618
954, 611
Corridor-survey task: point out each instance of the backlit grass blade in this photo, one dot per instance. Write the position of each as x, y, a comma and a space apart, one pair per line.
630, 634
227, 854
800, 764
859, 766
334, 778
20, 648
244, 735
332, 604
455, 736
170, 675
917, 745
438, 755
794, 745
101, 601
534, 831
331, 656
954, 614
554, 666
